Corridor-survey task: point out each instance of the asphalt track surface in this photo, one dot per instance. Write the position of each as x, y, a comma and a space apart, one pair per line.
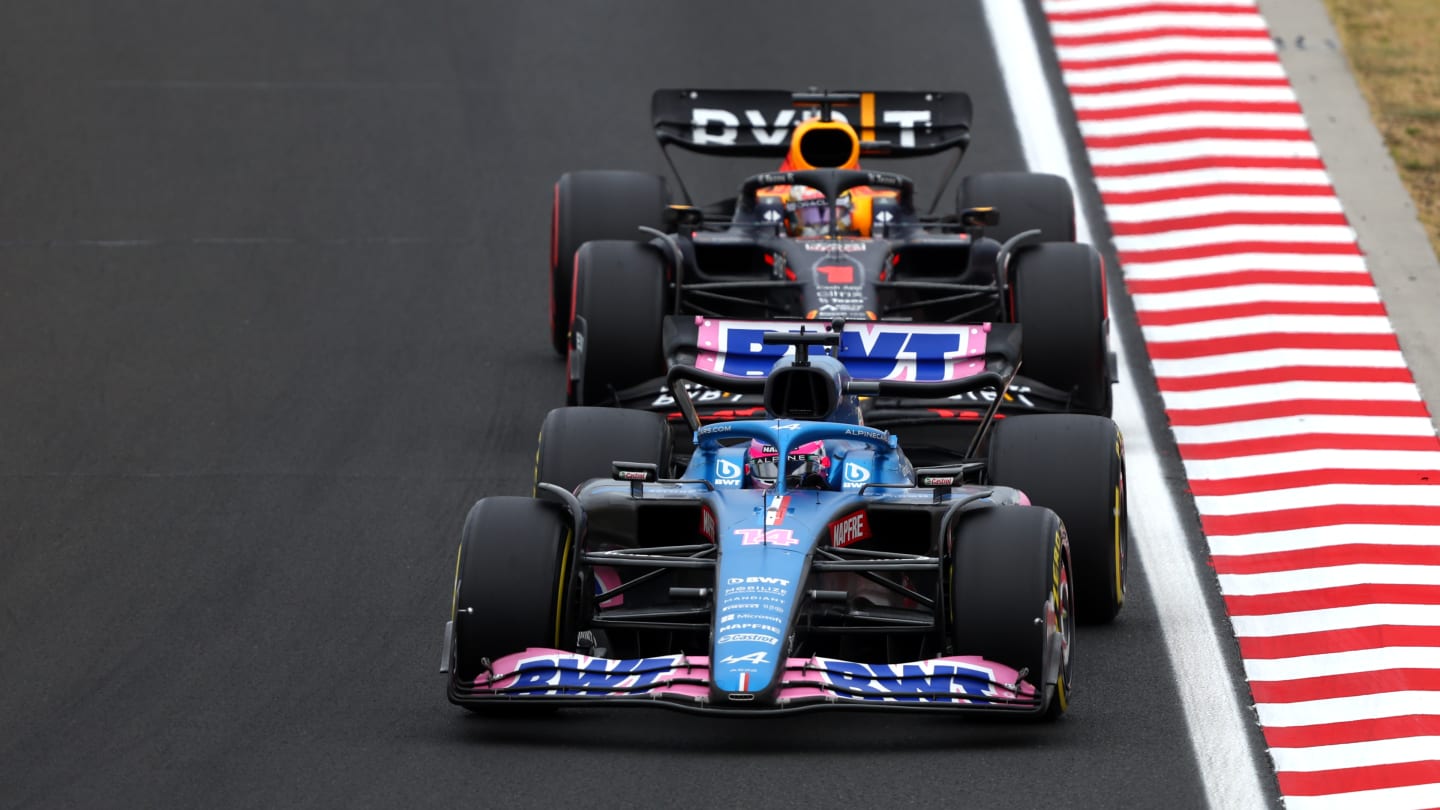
272, 302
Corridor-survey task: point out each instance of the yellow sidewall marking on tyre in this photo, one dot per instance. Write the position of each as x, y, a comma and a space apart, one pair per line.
560, 586
1062, 620
1055, 575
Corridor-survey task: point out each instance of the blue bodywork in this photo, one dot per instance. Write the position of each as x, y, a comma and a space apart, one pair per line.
766, 536
764, 544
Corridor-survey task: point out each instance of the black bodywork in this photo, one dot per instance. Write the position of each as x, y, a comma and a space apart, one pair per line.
909, 269
735, 259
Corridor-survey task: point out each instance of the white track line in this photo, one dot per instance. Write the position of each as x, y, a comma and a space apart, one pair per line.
1218, 725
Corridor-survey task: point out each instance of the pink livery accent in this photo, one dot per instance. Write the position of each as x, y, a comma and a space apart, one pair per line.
607, 578
871, 350
760, 450
949, 680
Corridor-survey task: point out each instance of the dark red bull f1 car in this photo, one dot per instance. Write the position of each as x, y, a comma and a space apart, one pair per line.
821, 239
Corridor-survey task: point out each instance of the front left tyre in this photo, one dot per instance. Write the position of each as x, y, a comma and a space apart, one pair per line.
619, 314
508, 583
593, 205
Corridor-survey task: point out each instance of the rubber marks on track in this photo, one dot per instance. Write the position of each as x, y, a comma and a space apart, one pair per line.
1312, 458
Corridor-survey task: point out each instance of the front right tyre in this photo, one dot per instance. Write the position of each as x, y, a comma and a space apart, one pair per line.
1011, 599
1058, 298
578, 444
1025, 201
1075, 465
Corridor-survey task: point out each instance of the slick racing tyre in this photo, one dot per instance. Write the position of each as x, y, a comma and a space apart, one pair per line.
619, 314
1058, 298
507, 579
1025, 201
596, 205
1074, 464
578, 444
1011, 598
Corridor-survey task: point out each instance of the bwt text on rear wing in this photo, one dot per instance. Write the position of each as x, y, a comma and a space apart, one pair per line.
735, 349
757, 123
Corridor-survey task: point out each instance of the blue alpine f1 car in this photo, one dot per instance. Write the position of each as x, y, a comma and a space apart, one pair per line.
798, 560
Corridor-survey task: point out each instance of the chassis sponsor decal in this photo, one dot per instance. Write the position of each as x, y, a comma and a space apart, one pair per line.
856, 475
850, 529
767, 537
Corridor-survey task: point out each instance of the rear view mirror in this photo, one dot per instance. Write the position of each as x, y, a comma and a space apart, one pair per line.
634, 471
980, 217
684, 216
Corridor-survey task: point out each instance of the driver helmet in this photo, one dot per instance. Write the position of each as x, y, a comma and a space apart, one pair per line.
806, 467
808, 215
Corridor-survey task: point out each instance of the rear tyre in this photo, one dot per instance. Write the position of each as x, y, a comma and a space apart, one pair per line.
619, 314
1074, 464
578, 444
1011, 599
1025, 201
507, 582
1058, 298
596, 205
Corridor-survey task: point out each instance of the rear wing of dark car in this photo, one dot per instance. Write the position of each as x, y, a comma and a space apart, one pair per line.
757, 123
883, 360
734, 354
